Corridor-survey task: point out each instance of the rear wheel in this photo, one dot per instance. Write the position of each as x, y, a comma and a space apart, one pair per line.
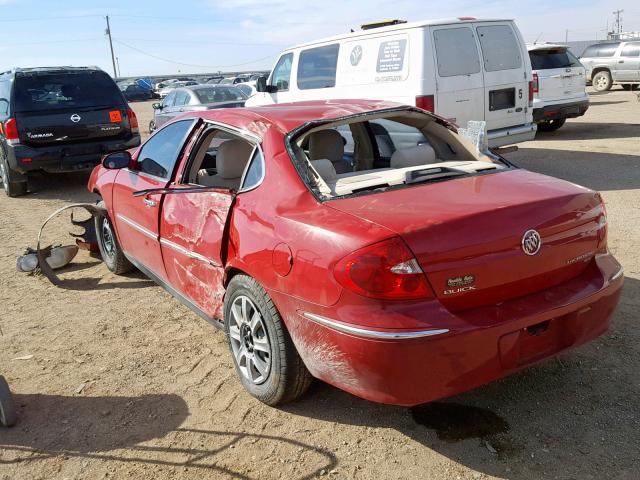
8, 415
602, 81
551, 125
110, 250
13, 183
263, 353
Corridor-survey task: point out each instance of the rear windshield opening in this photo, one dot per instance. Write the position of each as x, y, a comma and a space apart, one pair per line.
382, 151
59, 91
553, 58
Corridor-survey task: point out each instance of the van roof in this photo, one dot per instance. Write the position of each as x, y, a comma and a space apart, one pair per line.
399, 27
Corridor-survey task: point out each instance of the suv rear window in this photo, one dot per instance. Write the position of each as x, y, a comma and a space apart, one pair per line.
552, 58
58, 91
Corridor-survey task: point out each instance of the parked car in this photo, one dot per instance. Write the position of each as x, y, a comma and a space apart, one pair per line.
463, 69
133, 92
612, 63
248, 88
172, 86
234, 80
214, 80
411, 277
194, 99
558, 85
59, 119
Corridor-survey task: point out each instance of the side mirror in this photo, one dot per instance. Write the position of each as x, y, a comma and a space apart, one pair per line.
156, 106
261, 84
116, 160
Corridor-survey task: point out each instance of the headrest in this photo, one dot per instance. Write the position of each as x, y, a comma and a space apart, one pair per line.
325, 169
232, 158
327, 144
413, 156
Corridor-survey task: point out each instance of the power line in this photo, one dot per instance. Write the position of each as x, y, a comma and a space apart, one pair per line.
191, 64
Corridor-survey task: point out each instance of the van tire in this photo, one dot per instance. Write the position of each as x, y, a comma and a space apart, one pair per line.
14, 184
602, 81
551, 125
110, 249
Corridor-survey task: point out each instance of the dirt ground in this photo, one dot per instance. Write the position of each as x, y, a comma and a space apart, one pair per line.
116, 379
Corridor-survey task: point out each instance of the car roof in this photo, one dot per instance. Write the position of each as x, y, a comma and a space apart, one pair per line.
289, 116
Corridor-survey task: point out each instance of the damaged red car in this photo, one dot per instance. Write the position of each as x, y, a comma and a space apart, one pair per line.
363, 243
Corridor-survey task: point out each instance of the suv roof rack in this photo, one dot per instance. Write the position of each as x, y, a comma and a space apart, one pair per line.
383, 23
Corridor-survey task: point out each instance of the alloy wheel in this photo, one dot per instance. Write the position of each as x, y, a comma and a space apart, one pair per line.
107, 237
249, 340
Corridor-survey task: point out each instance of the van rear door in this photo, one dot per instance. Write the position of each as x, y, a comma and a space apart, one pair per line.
459, 78
506, 79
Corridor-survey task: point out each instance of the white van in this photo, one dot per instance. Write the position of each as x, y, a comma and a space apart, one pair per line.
463, 69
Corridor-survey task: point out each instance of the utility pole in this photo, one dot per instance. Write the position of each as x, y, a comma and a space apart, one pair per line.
618, 20
113, 57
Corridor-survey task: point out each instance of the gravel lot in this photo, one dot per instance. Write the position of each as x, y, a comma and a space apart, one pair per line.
115, 379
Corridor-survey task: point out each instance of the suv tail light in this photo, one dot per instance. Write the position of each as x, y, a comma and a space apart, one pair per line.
133, 121
425, 102
533, 88
536, 84
11, 129
385, 270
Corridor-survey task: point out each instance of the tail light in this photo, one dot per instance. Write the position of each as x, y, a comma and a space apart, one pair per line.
425, 102
533, 88
602, 226
385, 270
11, 129
133, 121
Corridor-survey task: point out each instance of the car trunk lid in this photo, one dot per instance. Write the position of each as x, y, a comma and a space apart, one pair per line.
560, 74
467, 234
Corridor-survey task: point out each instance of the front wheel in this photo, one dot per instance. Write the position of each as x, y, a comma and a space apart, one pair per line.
264, 355
112, 255
602, 81
551, 125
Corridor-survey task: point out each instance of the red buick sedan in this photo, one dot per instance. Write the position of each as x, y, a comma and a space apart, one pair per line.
363, 243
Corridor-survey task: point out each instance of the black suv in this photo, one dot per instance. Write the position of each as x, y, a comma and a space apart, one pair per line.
60, 119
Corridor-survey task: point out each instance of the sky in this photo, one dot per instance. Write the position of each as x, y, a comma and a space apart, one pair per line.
167, 37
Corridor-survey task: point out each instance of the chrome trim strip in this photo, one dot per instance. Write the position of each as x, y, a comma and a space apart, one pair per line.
139, 228
374, 334
617, 275
188, 253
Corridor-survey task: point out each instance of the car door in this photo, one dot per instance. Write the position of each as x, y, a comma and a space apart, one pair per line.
136, 217
505, 75
628, 63
162, 115
182, 99
459, 79
193, 227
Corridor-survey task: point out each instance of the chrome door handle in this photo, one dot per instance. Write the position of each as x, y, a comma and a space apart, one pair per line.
149, 203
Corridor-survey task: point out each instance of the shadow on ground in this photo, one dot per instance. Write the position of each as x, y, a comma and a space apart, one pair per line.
598, 171
139, 430
591, 131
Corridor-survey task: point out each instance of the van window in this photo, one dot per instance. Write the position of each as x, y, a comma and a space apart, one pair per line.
456, 52
631, 50
552, 58
282, 72
500, 48
317, 67
600, 50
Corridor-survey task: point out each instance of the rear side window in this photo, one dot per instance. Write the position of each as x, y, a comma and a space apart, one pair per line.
602, 50
631, 50
255, 172
317, 67
160, 153
456, 52
553, 58
282, 72
500, 48
57, 91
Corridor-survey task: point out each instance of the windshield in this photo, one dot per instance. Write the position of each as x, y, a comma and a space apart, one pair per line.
553, 58
383, 151
219, 94
57, 91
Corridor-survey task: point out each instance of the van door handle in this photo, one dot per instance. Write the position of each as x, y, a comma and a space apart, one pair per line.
149, 203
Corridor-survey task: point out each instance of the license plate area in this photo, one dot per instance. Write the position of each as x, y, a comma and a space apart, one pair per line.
531, 343
502, 99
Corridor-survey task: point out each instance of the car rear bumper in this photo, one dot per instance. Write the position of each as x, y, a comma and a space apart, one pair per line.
458, 351
65, 158
562, 110
511, 135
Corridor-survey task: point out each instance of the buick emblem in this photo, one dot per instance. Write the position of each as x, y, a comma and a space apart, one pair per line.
75, 118
531, 242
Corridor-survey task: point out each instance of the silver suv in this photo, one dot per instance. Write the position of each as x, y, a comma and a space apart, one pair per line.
613, 63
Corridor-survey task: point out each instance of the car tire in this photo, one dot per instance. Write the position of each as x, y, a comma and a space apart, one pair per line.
602, 81
152, 126
263, 353
551, 125
110, 249
14, 184
8, 415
